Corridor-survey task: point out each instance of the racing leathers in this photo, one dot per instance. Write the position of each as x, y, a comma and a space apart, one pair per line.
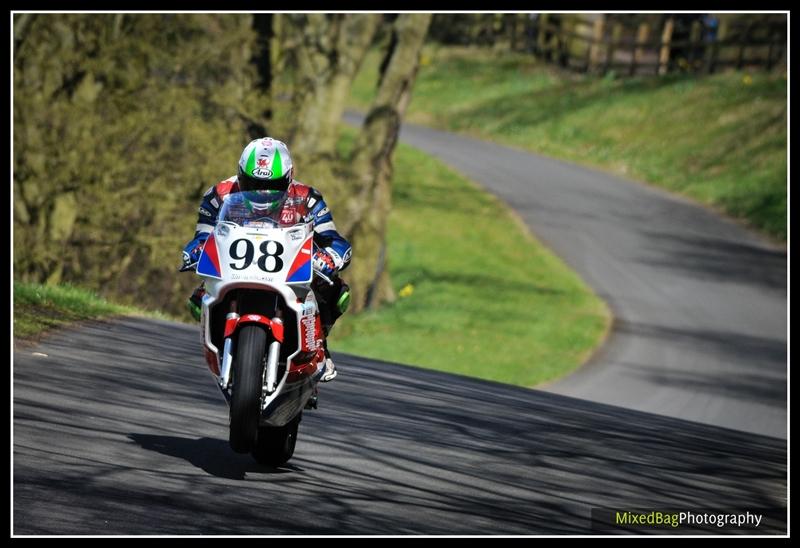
332, 251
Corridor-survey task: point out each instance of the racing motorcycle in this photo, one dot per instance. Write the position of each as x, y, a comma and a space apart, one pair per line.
261, 326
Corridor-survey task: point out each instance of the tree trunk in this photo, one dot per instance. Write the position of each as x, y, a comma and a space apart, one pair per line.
330, 52
368, 208
322, 54
263, 59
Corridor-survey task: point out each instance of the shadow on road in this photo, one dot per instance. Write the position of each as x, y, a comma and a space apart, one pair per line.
495, 449
717, 260
213, 456
133, 442
764, 384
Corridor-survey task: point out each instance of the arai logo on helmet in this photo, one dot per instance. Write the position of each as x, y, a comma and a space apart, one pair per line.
262, 173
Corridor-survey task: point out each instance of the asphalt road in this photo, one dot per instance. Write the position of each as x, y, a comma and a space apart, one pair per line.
699, 302
118, 429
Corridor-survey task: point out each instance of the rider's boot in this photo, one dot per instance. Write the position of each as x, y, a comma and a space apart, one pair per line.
195, 302
333, 303
330, 367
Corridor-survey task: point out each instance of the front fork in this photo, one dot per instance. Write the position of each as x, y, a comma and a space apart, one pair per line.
273, 354
231, 320
272, 366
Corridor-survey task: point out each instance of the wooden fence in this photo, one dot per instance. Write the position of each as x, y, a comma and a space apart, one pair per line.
601, 46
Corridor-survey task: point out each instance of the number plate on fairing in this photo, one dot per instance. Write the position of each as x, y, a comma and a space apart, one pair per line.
272, 255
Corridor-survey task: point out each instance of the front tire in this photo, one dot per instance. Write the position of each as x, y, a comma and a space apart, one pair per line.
275, 445
248, 374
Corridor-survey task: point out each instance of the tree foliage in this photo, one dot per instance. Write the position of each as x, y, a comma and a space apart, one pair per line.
372, 166
122, 121
322, 54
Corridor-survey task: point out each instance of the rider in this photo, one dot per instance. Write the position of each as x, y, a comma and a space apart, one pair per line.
265, 164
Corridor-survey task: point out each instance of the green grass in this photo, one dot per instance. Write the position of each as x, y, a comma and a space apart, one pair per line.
41, 308
719, 139
478, 295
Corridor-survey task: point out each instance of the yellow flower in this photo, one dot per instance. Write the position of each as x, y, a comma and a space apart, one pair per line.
747, 80
407, 290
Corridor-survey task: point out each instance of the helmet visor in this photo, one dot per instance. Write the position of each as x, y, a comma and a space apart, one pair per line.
251, 183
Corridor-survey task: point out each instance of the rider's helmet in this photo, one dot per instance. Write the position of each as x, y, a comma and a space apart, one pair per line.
265, 164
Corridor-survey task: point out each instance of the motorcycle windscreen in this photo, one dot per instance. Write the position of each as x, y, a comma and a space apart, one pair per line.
257, 239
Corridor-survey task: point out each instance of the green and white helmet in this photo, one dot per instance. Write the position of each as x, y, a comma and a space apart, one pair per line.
265, 164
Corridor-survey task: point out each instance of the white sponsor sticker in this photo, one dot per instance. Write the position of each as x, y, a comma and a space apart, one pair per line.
258, 172
308, 324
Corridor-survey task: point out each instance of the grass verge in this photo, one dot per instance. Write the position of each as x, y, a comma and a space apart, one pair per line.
477, 294
719, 139
41, 308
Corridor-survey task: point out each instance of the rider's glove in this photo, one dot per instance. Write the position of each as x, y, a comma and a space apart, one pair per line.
192, 251
324, 262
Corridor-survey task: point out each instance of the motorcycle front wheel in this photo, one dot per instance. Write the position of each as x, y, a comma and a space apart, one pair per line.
248, 373
275, 445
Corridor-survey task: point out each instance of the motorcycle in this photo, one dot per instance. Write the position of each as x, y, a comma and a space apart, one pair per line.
261, 327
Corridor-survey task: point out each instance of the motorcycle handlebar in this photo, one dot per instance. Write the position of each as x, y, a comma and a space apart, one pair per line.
324, 277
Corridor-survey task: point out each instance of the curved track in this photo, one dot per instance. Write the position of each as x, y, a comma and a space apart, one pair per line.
118, 428
116, 431
699, 302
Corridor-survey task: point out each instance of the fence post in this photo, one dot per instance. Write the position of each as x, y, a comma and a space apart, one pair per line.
530, 31
638, 48
510, 21
722, 34
770, 34
594, 47
542, 33
694, 43
743, 45
666, 37
616, 34
775, 30
568, 29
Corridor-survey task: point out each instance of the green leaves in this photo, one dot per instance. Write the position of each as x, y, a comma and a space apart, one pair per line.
121, 121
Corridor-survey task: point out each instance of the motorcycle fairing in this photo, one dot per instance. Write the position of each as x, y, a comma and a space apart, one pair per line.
300, 272
208, 265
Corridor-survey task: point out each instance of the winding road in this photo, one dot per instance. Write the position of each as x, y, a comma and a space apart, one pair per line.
118, 429
699, 302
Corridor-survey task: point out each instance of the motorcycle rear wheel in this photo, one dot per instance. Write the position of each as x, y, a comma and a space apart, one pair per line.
275, 445
248, 374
